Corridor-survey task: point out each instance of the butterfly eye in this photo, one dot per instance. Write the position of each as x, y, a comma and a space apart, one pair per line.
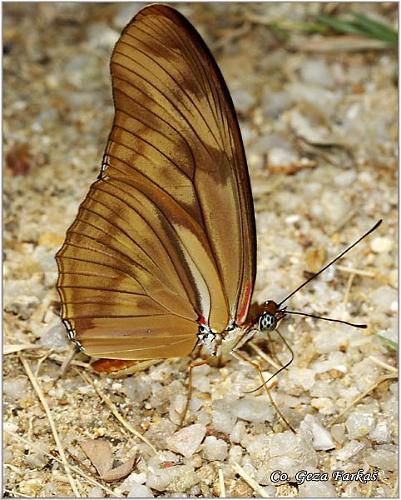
267, 322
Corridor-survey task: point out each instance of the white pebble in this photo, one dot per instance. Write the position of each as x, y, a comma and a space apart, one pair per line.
317, 489
139, 491
381, 244
187, 440
318, 72
382, 458
338, 432
384, 298
349, 450
137, 388
253, 409
55, 338
214, 449
321, 438
359, 424
381, 433
15, 388
223, 421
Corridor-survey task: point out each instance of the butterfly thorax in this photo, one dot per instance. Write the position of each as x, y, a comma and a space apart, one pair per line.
216, 343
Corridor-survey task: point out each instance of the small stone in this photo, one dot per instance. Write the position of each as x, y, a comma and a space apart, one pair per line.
381, 244
187, 440
139, 491
381, 433
338, 433
96, 492
359, 424
16, 388
214, 449
316, 71
317, 489
349, 450
173, 479
321, 438
137, 388
243, 100
55, 338
384, 459
384, 298
253, 409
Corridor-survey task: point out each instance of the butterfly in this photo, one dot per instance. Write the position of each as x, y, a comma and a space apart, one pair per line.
162, 254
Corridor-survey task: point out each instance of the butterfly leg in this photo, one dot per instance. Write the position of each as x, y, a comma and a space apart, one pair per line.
238, 355
191, 366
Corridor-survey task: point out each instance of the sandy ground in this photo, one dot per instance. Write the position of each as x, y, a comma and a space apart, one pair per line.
320, 130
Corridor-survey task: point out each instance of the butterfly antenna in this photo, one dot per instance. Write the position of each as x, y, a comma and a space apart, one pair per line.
329, 264
327, 319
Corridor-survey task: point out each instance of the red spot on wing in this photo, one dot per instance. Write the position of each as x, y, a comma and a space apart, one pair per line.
202, 320
243, 308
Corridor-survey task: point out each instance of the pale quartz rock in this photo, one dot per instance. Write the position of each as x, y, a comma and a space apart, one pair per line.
243, 100
187, 440
321, 438
359, 424
325, 406
303, 377
158, 433
317, 489
253, 409
101, 36
96, 492
381, 433
238, 433
316, 71
346, 178
200, 380
137, 388
171, 478
383, 298
223, 417
282, 158
350, 449
274, 103
214, 449
284, 451
139, 491
381, 244
235, 454
134, 477
338, 432
177, 407
382, 458
55, 337
16, 388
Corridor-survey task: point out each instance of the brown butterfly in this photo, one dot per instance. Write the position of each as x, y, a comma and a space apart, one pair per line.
162, 253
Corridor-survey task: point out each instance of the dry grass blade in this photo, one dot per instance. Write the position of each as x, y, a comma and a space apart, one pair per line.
359, 398
13, 348
338, 44
115, 412
248, 479
42, 399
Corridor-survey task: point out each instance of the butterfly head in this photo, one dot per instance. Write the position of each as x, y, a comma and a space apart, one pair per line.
270, 316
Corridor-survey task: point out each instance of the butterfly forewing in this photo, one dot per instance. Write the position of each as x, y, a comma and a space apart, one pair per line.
166, 236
